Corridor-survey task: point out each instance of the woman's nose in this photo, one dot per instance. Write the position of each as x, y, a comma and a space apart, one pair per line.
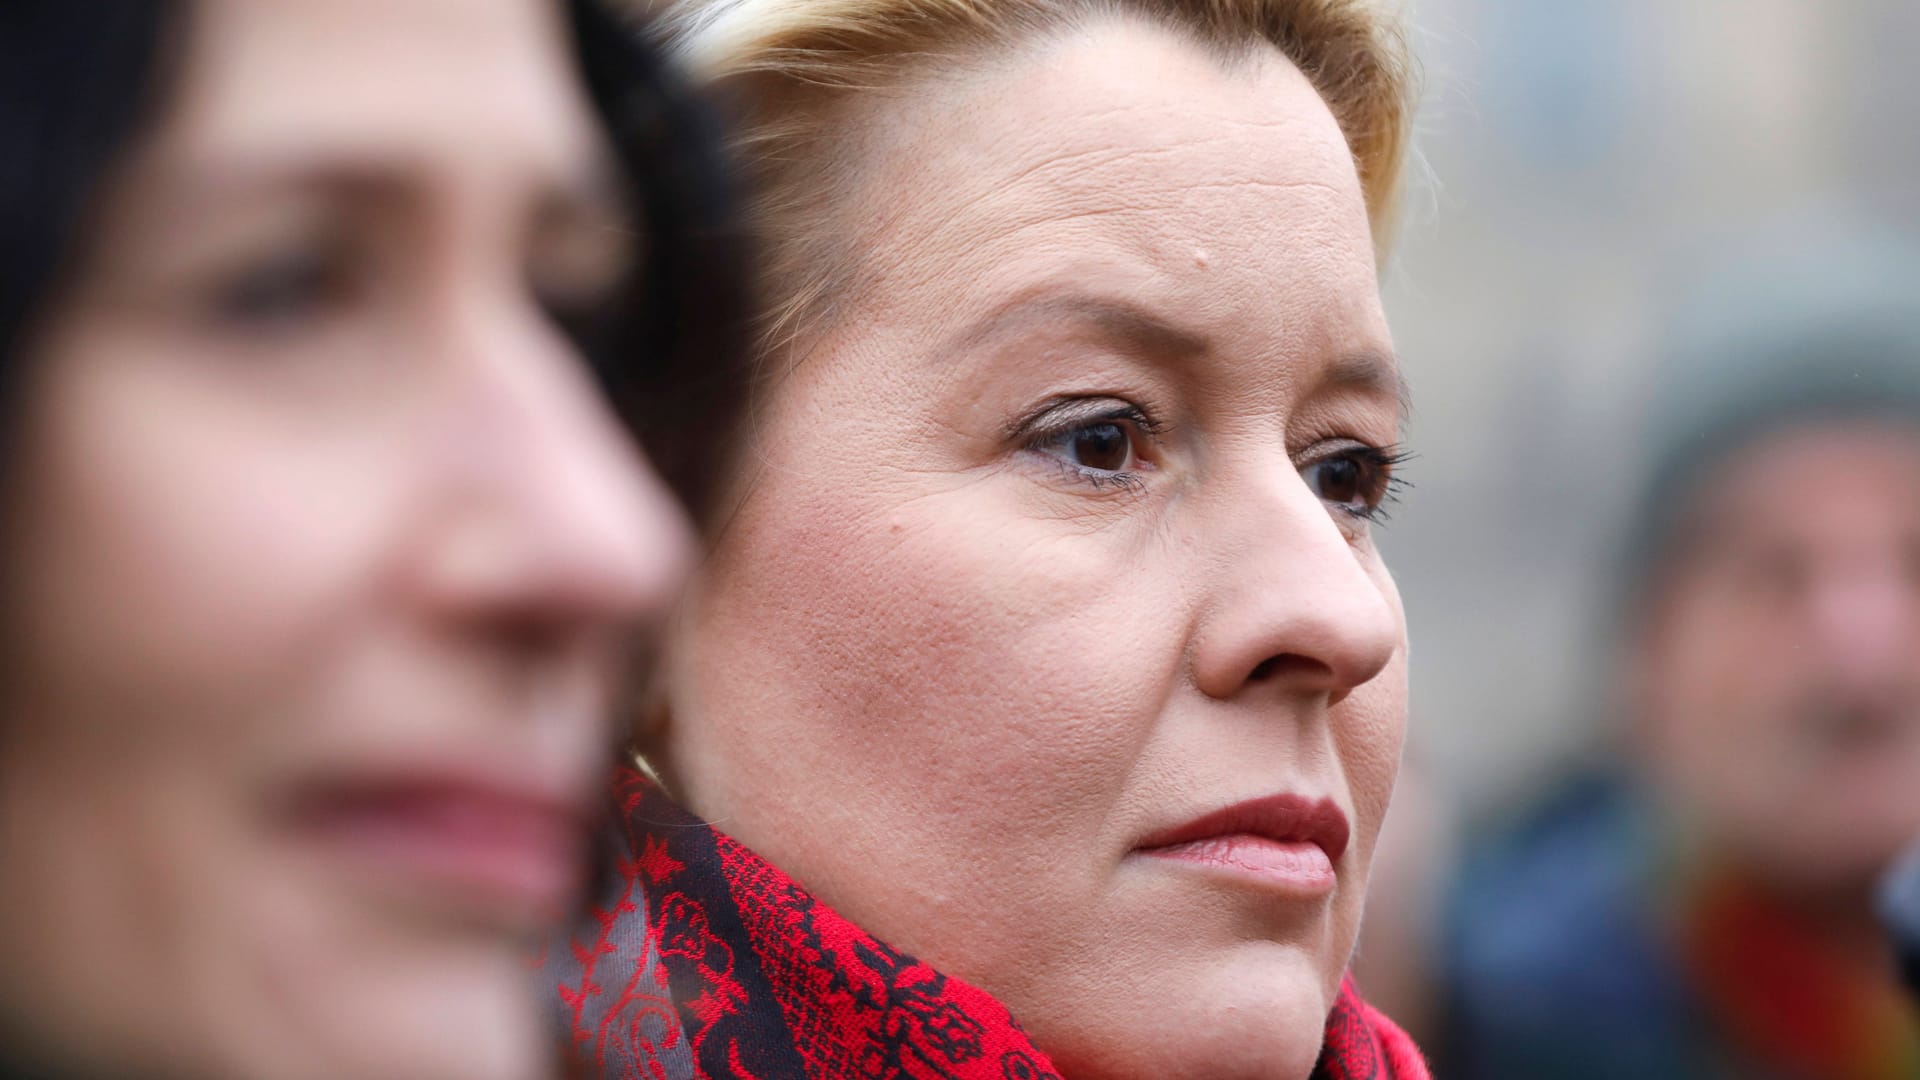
1293, 603
553, 520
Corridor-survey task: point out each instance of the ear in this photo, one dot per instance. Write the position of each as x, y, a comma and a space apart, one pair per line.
646, 739
646, 715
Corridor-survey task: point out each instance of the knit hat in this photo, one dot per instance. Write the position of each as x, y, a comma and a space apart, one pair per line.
1778, 344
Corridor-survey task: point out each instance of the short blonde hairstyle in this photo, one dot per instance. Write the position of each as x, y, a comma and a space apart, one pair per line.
786, 64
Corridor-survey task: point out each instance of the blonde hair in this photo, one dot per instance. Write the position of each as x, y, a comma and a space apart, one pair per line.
787, 63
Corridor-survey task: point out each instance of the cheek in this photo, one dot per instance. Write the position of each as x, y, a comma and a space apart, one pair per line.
184, 565
1370, 725
163, 582
940, 683
974, 649
184, 579
177, 553
1370, 729
1722, 720
1723, 677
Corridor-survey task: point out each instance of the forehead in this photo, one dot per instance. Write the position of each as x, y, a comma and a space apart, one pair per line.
1122, 155
423, 80
1835, 481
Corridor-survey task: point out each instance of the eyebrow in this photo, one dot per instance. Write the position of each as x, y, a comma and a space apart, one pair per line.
363, 172
1132, 326
1369, 372
1374, 373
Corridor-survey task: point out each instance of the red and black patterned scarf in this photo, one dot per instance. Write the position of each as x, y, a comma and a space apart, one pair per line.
706, 963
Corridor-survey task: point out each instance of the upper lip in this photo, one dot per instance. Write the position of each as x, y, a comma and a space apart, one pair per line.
1284, 818
508, 785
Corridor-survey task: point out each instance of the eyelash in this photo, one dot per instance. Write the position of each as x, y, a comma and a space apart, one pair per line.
1383, 462
1377, 465
1130, 418
284, 288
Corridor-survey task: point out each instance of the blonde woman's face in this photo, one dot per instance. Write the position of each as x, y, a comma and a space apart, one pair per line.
1061, 543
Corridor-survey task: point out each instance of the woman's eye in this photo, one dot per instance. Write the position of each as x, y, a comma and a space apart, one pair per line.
281, 291
1339, 480
1357, 481
1102, 449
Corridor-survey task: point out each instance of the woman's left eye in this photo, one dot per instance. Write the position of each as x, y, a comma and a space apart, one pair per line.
1357, 480
284, 290
1104, 449
1101, 447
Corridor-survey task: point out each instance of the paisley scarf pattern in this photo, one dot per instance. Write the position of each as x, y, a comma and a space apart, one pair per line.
704, 962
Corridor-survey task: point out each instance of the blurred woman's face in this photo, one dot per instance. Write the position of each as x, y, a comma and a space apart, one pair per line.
1060, 545
320, 544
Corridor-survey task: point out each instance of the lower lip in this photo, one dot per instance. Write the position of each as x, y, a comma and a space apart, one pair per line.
1293, 866
495, 857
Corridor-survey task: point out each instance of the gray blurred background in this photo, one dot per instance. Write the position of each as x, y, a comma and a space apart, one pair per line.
1581, 163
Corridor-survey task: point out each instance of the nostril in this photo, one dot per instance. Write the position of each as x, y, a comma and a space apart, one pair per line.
535, 637
1286, 665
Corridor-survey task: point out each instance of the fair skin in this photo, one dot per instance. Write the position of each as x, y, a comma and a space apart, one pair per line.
322, 549
1059, 538
1778, 673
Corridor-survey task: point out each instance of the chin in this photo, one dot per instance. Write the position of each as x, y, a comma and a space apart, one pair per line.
488, 1043
1258, 1014
471, 1018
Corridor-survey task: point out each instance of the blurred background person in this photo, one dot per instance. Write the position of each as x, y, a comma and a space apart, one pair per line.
1704, 903
1581, 162
322, 536
1900, 908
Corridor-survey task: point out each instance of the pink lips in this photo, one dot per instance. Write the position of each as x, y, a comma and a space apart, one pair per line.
1284, 841
512, 853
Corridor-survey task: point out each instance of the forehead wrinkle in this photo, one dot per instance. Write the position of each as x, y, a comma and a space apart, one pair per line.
980, 178
1125, 323
977, 222
1119, 175
1116, 134
1109, 147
